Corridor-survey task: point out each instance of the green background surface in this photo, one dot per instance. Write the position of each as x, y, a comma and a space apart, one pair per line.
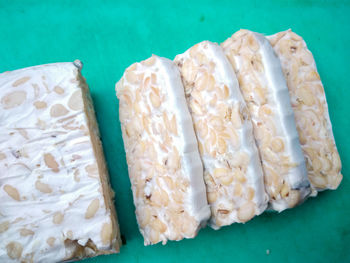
108, 36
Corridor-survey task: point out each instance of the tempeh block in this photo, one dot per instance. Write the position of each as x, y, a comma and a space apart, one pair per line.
311, 110
55, 199
265, 91
164, 165
232, 167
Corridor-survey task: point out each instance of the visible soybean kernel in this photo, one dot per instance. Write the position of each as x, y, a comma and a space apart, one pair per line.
252, 43
40, 105
285, 190
106, 233
42, 187
234, 140
150, 61
212, 137
12, 192
312, 76
213, 101
336, 161
316, 164
293, 36
188, 70
51, 241
212, 197
13, 99
256, 63
92, 170
51, 162
318, 180
226, 180
217, 123
20, 81
259, 92
169, 182
144, 217
131, 76
196, 95
334, 179
58, 90
201, 128
196, 108
92, 208
153, 78
178, 196
155, 100
75, 102
173, 125
26, 232
239, 176
193, 51
57, 218
241, 159
166, 121
226, 92
200, 148
250, 193
277, 145
210, 84
202, 81
219, 172
4, 226
246, 211
238, 189
158, 225
305, 95
326, 164
14, 250
164, 196
58, 110
2, 156
302, 138
235, 117
293, 198
306, 57
202, 59
222, 147
154, 236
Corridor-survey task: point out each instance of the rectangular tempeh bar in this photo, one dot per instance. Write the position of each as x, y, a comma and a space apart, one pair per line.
265, 91
232, 168
310, 109
55, 199
164, 165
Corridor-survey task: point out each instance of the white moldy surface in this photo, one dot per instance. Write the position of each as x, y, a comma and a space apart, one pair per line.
54, 194
310, 109
164, 165
232, 168
265, 91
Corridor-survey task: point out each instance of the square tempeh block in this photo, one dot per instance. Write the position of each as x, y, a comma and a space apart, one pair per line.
55, 200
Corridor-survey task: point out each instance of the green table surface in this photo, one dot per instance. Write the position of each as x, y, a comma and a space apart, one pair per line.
108, 36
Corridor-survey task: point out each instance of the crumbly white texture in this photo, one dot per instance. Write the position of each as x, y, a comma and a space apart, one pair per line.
165, 169
311, 110
233, 172
50, 190
264, 88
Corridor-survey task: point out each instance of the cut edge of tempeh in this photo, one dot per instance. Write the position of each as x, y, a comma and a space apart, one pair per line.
308, 96
95, 137
264, 89
235, 189
158, 198
76, 97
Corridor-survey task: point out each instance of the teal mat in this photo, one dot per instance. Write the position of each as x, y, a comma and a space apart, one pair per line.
108, 36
